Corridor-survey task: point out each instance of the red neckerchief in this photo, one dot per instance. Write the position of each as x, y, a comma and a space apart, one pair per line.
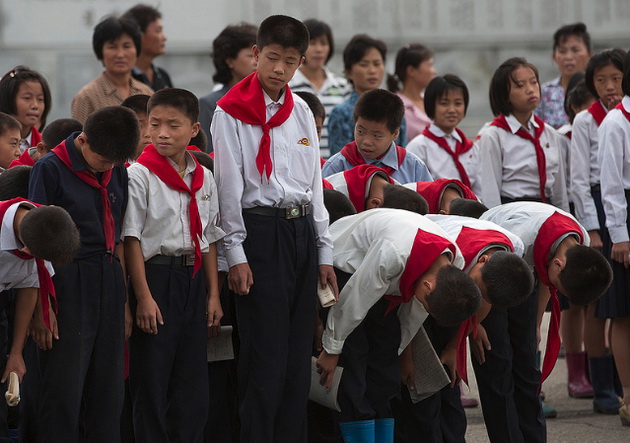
433, 191
502, 123
245, 101
460, 148
109, 227
46, 285
322, 162
598, 111
551, 230
327, 184
427, 247
351, 153
358, 180
471, 242
159, 165
25, 159
623, 111
569, 135
36, 137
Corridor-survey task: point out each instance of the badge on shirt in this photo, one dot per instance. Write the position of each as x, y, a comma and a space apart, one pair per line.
304, 141
205, 197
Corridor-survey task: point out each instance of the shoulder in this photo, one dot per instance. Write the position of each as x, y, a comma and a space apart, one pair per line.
90, 88
140, 88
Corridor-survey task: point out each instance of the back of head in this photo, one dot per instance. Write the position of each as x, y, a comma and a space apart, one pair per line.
508, 279
201, 141
500, 84
285, 31
456, 297
14, 182
317, 28
439, 87
412, 54
10, 85
399, 197
113, 133
111, 29
615, 57
8, 123
586, 275
467, 208
358, 46
203, 159
577, 96
574, 29
337, 205
144, 15
184, 101
50, 233
59, 130
314, 104
379, 105
137, 103
227, 45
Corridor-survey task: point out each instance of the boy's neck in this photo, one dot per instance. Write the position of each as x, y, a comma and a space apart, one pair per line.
566, 244
523, 118
180, 160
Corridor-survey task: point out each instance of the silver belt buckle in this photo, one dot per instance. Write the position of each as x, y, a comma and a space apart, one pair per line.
293, 212
189, 260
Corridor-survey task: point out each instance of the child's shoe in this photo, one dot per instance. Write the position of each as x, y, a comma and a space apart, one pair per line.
624, 414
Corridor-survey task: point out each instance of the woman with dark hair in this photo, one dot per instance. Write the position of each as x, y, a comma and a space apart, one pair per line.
233, 60
116, 43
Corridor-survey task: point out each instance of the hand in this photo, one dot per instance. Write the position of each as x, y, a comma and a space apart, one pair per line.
326, 364
40, 333
215, 311
613, 101
148, 315
619, 253
596, 240
15, 363
240, 279
327, 277
449, 358
479, 345
317, 334
214, 331
128, 321
407, 371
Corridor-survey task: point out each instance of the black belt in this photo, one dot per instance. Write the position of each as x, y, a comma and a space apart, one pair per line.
287, 213
172, 260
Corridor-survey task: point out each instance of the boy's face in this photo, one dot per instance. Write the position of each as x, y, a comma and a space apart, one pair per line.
95, 162
170, 130
449, 110
524, 90
9, 147
145, 137
153, 39
276, 66
368, 73
319, 124
376, 193
373, 138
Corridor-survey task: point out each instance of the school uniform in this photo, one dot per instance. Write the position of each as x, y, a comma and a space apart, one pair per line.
168, 371
82, 375
355, 183
565, 133
433, 191
381, 251
513, 167
32, 139
401, 165
274, 217
448, 155
614, 148
509, 379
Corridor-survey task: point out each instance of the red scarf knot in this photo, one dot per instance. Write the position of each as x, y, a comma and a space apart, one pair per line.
461, 147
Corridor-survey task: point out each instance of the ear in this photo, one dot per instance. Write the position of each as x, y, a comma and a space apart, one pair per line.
396, 133
230, 62
302, 60
428, 285
373, 202
195, 129
442, 212
256, 52
409, 70
41, 149
483, 259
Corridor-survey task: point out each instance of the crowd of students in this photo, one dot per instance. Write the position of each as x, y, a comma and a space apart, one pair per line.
125, 247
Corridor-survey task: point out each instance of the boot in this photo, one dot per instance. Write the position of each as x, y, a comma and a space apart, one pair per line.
624, 414
361, 431
384, 430
602, 378
578, 386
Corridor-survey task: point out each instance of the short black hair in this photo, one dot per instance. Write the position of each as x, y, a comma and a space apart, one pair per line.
455, 298
204, 159
228, 44
586, 275
59, 130
317, 28
500, 84
14, 182
314, 104
508, 279
201, 141
615, 57
111, 29
439, 87
10, 85
576, 29
399, 197
379, 105
577, 96
337, 205
50, 233
467, 208
113, 133
144, 15
412, 54
137, 103
181, 99
357, 47
285, 31
8, 122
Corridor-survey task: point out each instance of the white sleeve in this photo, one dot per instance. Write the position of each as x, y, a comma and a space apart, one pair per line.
137, 204
491, 168
559, 195
580, 174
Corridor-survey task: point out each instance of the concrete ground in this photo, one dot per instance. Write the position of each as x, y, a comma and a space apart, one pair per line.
576, 421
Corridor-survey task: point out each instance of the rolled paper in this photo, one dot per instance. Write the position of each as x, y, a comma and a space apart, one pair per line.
12, 395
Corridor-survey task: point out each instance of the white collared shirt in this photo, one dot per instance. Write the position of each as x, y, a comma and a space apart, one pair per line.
374, 247
158, 215
509, 168
614, 161
295, 179
440, 162
14, 271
